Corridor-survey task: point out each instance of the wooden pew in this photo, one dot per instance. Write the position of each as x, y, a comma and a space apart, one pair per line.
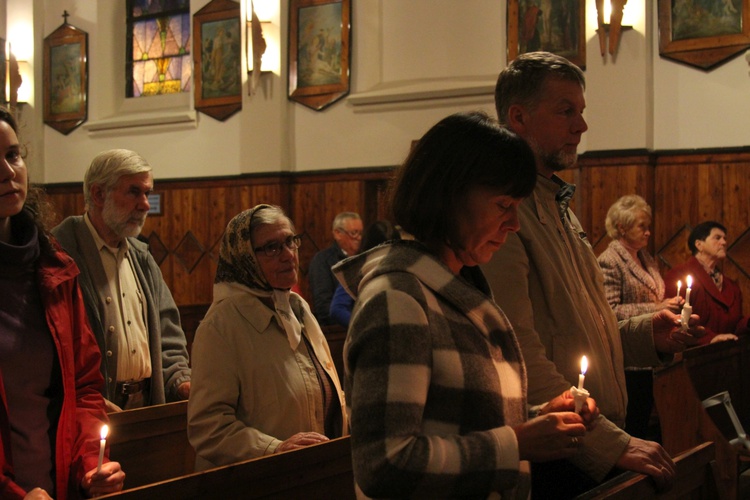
679, 391
695, 479
151, 443
322, 471
335, 336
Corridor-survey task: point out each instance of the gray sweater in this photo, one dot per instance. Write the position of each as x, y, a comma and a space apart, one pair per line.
167, 344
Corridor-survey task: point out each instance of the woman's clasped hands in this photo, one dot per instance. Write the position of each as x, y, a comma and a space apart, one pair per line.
557, 431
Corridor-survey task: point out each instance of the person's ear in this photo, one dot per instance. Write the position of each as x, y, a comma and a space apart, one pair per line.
98, 195
517, 117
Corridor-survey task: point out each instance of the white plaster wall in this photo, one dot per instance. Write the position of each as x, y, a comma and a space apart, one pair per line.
636, 100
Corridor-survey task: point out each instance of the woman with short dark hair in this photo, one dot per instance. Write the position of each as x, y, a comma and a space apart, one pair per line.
435, 379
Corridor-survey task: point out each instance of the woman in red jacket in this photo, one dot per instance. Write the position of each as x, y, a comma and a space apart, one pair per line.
714, 297
51, 410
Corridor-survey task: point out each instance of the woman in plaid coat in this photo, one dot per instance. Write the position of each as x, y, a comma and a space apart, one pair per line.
435, 381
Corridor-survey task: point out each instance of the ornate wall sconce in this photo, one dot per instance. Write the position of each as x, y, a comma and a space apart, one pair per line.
609, 22
263, 36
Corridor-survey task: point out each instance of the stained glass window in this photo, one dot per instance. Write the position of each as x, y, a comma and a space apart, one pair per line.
158, 58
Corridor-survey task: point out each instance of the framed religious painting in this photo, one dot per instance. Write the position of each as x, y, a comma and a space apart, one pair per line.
217, 49
65, 77
557, 26
319, 51
703, 34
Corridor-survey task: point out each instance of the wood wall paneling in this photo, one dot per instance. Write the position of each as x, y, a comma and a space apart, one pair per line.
682, 189
185, 239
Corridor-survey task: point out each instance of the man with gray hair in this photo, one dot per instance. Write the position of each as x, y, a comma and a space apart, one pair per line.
347, 237
131, 310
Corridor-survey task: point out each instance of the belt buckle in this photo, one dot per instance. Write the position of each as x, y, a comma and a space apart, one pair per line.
128, 388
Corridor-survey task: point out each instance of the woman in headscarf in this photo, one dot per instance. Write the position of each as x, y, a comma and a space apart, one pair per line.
263, 377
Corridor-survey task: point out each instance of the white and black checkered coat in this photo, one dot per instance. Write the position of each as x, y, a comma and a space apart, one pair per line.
434, 379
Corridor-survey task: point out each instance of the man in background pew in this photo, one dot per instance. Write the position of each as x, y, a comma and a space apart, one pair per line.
548, 282
131, 310
347, 238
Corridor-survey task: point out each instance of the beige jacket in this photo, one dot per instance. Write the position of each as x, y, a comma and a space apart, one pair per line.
548, 282
250, 390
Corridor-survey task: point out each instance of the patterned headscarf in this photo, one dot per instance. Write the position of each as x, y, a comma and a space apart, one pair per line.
237, 261
238, 264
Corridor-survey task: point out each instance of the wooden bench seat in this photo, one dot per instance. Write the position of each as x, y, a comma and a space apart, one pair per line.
694, 479
322, 471
151, 443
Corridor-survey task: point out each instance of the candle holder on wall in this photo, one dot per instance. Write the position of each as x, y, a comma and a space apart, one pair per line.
610, 26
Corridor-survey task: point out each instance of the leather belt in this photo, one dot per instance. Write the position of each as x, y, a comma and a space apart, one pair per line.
132, 386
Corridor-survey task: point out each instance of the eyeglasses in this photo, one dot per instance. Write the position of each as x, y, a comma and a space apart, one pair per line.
274, 248
355, 234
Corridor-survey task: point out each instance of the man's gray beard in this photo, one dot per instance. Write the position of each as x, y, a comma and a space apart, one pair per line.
113, 218
560, 161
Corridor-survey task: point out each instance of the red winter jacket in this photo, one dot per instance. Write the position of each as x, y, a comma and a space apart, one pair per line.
719, 311
83, 411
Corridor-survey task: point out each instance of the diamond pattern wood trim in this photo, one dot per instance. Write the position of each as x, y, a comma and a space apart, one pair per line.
157, 248
739, 253
675, 250
189, 251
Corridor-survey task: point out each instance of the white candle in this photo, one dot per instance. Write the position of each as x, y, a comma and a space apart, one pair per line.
584, 367
687, 292
102, 443
679, 285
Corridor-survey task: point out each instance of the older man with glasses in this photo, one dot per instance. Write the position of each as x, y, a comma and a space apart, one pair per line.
347, 236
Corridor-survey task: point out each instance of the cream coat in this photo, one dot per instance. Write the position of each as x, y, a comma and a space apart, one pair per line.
248, 392
547, 280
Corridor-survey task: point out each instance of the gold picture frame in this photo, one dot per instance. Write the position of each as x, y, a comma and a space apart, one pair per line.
560, 29
319, 51
217, 52
704, 38
65, 77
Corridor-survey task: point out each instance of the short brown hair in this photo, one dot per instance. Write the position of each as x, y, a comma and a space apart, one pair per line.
462, 151
522, 82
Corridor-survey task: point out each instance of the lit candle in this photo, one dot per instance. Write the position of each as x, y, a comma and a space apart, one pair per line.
104, 432
579, 393
679, 285
584, 367
687, 309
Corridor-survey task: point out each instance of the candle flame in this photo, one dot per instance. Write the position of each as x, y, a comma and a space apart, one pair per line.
104, 431
584, 365
689, 280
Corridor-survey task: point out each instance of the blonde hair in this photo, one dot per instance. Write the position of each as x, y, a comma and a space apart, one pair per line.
623, 213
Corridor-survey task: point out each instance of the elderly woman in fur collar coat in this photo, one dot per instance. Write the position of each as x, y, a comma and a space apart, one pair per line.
435, 380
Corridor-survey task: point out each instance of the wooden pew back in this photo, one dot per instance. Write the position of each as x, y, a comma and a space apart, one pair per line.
694, 479
679, 391
321, 471
151, 443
